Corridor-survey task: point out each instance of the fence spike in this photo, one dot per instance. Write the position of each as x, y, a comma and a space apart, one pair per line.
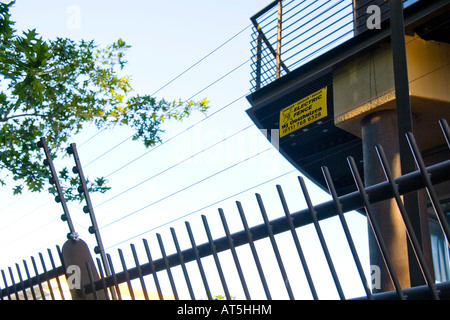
297, 243
347, 233
375, 227
216, 257
234, 254
199, 262
275, 247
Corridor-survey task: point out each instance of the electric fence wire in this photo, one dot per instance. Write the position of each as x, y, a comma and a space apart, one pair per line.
164, 86
202, 59
171, 110
175, 136
185, 188
179, 76
203, 208
176, 164
191, 157
166, 141
172, 82
349, 146
204, 119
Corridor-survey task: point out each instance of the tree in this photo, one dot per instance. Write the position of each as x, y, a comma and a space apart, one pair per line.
54, 88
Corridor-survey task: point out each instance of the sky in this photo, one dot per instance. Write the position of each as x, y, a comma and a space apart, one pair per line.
204, 163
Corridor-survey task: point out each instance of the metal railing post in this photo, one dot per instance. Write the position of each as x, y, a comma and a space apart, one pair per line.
278, 55
258, 61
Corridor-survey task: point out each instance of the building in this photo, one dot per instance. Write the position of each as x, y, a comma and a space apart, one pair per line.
330, 78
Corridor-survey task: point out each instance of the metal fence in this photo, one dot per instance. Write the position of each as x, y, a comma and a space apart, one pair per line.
186, 268
290, 33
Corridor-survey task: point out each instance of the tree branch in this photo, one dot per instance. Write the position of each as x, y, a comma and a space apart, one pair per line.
5, 119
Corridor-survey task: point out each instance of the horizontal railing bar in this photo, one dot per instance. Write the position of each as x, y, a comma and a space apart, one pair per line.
382, 191
329, 25
414, 293
292, 19
264, 10
286, 35
286, 12
305, 58
36, 280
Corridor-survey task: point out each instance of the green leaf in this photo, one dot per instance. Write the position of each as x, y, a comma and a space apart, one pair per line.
54, 88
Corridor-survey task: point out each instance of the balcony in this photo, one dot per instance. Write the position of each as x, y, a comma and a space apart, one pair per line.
290, 33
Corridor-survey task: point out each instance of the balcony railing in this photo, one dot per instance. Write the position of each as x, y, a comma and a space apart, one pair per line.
289, 33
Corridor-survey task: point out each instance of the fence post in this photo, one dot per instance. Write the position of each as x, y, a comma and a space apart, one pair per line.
75, 256
278, 56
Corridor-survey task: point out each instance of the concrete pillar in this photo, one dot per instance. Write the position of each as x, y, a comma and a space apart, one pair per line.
381, 128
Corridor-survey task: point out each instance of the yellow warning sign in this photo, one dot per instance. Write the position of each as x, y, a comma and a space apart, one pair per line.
303, 112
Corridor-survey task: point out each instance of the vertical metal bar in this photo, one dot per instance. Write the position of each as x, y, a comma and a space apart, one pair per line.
404, 119
57, 278
234, 254
297, 243
183, 266
275, 247
139, 270
152, 265
30, 283
54, 179
254, 251
91, 281
409, 228
41, 290
47, 276
279, 25
400, 65
61, 257
429, 186
89, 207
127, 276
216, 257
6, 284
375, 227
113, 274
258, 61
404, 116
102, 278
13, 283
445, 130
321, 239
166, 262
22, 284
199, 262
347, 233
